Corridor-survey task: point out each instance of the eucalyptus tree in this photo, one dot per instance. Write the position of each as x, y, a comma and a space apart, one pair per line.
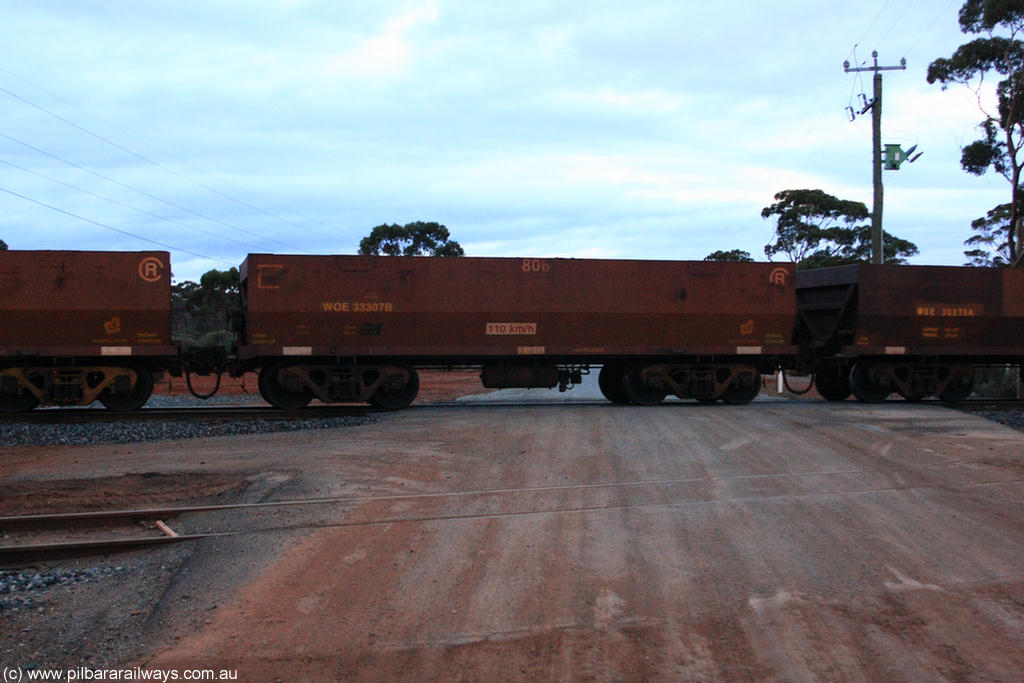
412, 239
815, 229
998, 50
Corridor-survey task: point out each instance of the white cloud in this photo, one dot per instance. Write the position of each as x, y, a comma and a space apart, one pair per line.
387, 54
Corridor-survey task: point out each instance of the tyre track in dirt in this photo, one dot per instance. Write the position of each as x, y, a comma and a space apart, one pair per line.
776, 542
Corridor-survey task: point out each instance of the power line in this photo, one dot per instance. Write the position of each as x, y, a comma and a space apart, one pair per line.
872, 24
117, 203
155, 163
109, 227
898, 19
805, 132
931, 26
147, 194
835, 75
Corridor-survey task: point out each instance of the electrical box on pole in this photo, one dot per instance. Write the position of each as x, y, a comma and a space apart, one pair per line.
895, 155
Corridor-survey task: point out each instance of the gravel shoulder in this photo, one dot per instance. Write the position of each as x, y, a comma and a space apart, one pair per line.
437, 386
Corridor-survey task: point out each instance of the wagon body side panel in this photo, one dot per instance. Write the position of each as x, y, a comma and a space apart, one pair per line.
77, 303
471, 308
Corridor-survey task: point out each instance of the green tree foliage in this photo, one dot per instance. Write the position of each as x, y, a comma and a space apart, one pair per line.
815, 229
203, 310
999, 49
3, 245
733, 255
411, 239
989, 245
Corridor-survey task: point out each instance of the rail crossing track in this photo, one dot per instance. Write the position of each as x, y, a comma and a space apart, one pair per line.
32, 538
266, 412
198, 413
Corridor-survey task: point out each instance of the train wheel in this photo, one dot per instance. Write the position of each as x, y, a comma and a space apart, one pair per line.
743, 390
14, 402
958, 391
277, 394
637, 388
398, 395
135, 397
611, 380
863, 387
833, 384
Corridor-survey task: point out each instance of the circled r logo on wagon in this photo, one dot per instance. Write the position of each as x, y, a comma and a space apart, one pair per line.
151, 269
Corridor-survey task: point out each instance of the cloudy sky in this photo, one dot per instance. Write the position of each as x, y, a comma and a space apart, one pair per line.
529, 128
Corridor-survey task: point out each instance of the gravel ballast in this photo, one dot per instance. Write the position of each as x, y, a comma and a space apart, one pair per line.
130, 431
88, 434
20, 589
134, 431
1010, 418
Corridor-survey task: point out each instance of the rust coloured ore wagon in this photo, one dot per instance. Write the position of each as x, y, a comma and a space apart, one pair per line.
354, 328
915, 330
80, 326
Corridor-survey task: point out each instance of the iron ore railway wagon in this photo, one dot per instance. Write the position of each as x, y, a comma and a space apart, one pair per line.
352, 328
919, 331
81, 326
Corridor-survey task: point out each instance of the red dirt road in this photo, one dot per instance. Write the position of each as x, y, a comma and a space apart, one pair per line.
778, 541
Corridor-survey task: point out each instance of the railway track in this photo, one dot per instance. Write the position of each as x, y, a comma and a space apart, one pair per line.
266, 412
192, 414
28, 538
992, 404
31, 538
260, 412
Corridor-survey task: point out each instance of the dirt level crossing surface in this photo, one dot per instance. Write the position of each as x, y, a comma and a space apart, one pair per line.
779, 541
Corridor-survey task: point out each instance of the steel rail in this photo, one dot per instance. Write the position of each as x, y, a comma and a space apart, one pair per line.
184, 413
21, 553
236, 413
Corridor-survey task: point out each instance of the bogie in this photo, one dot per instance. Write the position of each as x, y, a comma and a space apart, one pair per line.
129, 390
282, 388
291, 386
643, 385
397, 389
872, 381
743, 389
15, 397
118, 387
833, 383
867, 384
648, 383
960, 386
611, 380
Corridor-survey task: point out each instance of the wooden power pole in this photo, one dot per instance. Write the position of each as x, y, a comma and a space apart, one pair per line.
876, 139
